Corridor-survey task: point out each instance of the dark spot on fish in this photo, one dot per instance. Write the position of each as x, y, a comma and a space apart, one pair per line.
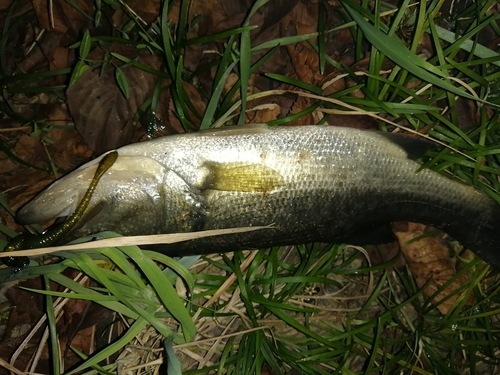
303, 155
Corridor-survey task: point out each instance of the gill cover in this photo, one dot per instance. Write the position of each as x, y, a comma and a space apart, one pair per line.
62, 197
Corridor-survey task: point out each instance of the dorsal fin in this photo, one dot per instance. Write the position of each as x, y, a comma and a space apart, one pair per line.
414, 147
235, 130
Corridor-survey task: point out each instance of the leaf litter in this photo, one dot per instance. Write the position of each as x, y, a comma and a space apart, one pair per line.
38, 129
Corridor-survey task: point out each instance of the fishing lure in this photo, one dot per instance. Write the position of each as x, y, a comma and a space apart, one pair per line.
55, 234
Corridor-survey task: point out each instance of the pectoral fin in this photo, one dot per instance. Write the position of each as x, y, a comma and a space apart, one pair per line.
250, 178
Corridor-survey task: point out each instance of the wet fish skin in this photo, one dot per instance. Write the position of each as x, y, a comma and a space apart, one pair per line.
314, 183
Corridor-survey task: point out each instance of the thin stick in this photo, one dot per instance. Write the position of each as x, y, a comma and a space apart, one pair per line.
152, 239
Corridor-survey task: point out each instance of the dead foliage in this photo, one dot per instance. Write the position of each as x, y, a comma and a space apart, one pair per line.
102, 114
60, 17
430, 261
76, 327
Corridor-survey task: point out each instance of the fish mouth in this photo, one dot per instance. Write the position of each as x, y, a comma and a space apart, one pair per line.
44, 211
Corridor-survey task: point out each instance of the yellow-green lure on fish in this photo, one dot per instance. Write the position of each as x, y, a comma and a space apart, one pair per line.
58, 232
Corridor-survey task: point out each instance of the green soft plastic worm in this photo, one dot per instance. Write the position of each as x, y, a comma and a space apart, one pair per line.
56, 233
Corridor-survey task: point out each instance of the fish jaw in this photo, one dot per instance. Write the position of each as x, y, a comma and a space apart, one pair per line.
62, 197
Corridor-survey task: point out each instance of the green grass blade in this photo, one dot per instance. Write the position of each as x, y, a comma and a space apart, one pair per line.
112, 348
165, 291
51, 324
82, 291
397, 52
173, 364
87, 265
214, 99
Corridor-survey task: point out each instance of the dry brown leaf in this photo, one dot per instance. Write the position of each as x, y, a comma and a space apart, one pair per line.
21, 8
83, 341
6, 164
276, 107
332, 83
379, 254
50, 17
59, 58
429, 259
270, 108
40, 55
302, 19
101, 113
30, 150
258, 114
306, 62
4, 4
77, 12
147, 10
468, 114
27, 309
75, 328
69, 149
225, 14
60, 17
27, 183
270, 16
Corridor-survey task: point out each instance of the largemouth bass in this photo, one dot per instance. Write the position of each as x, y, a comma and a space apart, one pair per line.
313, 183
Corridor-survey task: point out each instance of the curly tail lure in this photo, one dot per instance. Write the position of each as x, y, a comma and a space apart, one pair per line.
55, 234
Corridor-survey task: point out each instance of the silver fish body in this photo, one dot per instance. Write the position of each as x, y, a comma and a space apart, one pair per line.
313, 183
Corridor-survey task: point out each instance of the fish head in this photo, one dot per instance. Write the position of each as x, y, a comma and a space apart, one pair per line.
137, 195
134, 178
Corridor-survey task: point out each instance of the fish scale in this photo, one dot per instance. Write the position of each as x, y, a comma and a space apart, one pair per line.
313, 183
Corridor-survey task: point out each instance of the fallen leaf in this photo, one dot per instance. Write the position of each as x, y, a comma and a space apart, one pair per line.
76, 326
59, 60
261, 113
429, 259
147, 10
50, 15
30, 150
4, 4
101, 113
60, 17
26, 184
